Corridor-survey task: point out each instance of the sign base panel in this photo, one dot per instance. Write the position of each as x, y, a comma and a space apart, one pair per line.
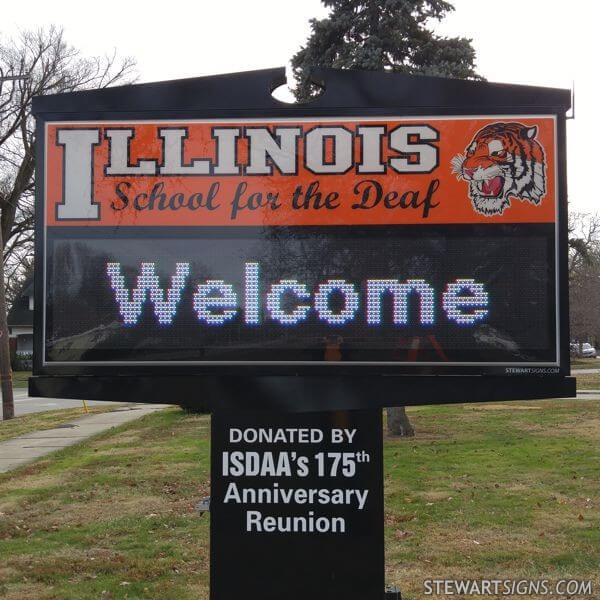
294, 392
297, 505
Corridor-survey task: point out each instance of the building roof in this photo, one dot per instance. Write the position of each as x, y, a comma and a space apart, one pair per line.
20, 314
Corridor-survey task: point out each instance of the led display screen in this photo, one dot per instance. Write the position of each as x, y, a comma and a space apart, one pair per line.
303, 294
372, 240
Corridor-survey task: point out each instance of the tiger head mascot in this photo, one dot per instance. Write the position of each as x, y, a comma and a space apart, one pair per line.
503, 161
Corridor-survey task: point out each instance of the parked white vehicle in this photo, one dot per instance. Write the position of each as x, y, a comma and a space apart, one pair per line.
584, 351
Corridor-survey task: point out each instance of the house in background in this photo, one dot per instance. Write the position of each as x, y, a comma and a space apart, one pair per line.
20, 323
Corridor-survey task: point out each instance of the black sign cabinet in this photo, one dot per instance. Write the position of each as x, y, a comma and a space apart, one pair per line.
295, 331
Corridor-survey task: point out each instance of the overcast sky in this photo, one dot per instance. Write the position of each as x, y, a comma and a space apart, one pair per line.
536, 42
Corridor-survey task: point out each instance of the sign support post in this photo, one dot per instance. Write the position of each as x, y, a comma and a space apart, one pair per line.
297, 505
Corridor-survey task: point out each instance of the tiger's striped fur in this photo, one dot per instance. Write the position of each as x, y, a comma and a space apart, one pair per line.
504, 161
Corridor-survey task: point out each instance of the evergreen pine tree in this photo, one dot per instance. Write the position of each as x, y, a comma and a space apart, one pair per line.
377, 35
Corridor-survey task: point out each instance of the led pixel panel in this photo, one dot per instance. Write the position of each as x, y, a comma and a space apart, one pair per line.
361, 294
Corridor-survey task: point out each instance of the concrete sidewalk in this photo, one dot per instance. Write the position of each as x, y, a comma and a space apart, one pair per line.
25, 404
31, 446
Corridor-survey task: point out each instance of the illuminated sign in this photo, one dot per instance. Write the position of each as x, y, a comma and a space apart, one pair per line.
408, 241
215, 302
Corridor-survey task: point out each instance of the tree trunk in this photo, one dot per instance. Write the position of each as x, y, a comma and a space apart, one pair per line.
397, 422
8, 404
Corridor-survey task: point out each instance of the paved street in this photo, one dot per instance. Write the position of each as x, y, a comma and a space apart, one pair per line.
24, 404
588, 394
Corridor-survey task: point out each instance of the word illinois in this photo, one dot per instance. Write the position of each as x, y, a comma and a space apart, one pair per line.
290, 302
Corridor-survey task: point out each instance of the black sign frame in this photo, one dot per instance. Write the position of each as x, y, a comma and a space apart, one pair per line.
347, 93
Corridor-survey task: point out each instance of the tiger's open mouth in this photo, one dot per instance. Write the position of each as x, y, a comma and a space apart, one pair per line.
490, 187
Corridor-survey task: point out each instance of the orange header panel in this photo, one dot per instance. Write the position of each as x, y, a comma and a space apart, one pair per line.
395, 171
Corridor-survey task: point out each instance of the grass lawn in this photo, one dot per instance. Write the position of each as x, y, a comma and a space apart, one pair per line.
20, 378
502, 490
45, 420
585, 363
588, 381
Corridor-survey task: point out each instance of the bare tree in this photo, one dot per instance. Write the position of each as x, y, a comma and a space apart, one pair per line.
36, 63
584, 300
398, 423
584, 239
584, 276
17, 274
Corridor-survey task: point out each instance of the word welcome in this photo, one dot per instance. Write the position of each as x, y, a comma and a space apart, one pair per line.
290, 302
